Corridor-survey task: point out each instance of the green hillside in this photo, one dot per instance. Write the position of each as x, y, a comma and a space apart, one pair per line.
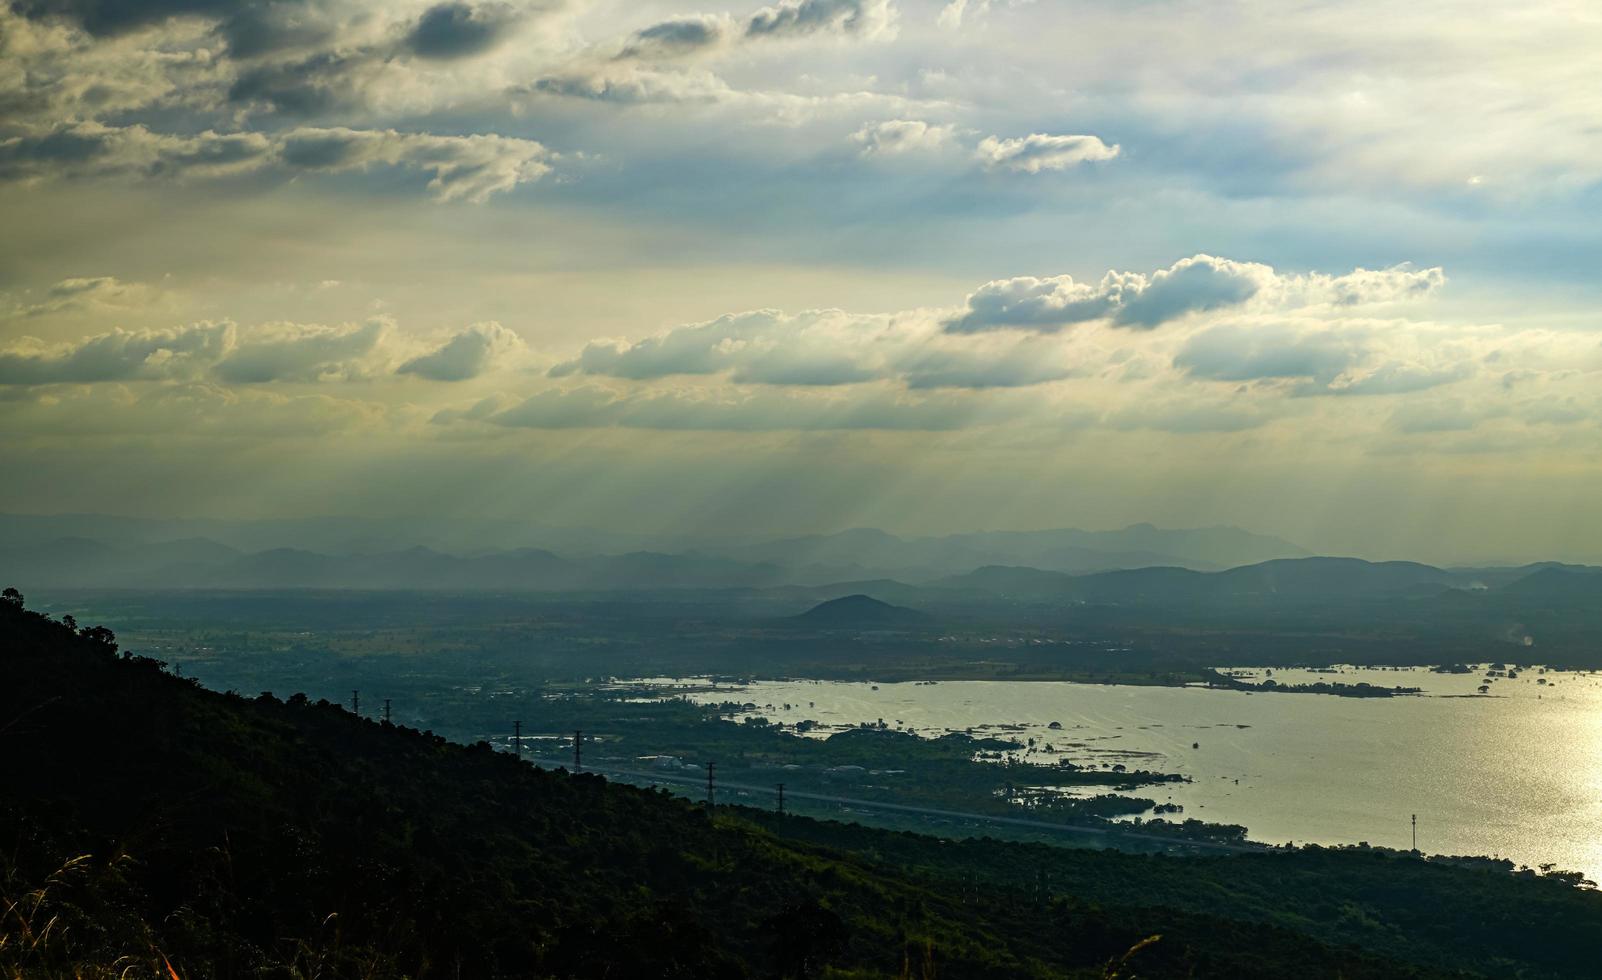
149, 828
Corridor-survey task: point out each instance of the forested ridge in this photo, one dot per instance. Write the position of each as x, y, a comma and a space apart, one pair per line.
152, 828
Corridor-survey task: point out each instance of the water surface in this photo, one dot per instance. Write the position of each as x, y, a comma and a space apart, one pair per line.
1517, 774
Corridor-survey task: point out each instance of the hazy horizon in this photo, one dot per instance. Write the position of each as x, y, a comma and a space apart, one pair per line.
463, 535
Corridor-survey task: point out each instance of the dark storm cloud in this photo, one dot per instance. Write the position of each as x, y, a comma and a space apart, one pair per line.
106, 17
459, 30
309, 86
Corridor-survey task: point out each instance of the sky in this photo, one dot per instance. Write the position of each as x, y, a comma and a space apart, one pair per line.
1326, 269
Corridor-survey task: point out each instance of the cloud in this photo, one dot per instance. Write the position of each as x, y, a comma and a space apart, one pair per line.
305, 353
1231, 352
460, 30
121, 355
1031, 362
93, 149
817, 347
466, 355
698, 35
680, 37
109, 17
628, 84
275, 352
763, 410
471, 168
171, 413
1039, 151
1197, 284
796, 18
827, 348
1045, 305
88, 293
897, 136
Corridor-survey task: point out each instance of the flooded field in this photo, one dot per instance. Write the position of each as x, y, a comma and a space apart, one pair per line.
1515, 772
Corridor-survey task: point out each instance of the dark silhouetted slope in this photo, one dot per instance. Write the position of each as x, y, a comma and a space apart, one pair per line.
149, 822
861, 612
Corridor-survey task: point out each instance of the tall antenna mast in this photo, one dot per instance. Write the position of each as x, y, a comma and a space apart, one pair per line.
386, 711
356, 703
578, 752
517, 738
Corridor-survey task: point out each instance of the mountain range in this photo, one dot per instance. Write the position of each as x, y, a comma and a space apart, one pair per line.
1141, 564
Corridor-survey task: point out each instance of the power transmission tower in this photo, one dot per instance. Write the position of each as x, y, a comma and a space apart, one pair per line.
517, 739
711, 793
386, 711
356, 703
578, 752
781, 799
1415, 832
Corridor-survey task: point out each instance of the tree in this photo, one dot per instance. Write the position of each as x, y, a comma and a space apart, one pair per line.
804, 936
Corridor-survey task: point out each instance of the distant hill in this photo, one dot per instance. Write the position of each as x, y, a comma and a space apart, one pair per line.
1565, 583
1286, 578
1064, 549
861, 612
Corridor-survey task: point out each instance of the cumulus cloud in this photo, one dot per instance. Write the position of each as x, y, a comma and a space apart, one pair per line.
738, 340
274, 352
954, 14
824, 348
1040, 151
470, 168
1045, 305
1197, 284
305, 353
466, 355
897, 136
121, 355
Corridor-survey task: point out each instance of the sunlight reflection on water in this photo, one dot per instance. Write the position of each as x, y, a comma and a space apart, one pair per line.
1517, 774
